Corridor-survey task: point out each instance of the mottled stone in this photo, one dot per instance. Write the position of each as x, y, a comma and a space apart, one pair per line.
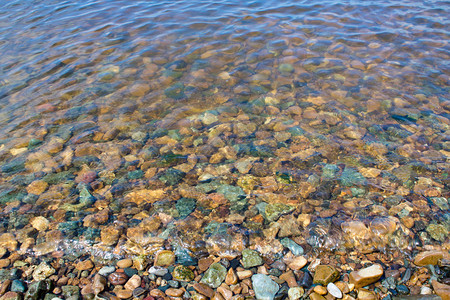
437, 232
98, 284
334, 290
8, 241
84, 265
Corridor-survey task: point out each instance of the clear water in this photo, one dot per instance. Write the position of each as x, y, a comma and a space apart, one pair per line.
131, 126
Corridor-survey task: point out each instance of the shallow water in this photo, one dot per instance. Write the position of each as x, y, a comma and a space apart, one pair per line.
219, 126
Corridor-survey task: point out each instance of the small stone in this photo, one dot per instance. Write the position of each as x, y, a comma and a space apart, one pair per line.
264, 287
2, 251
11, 296
124, 263
437, 232
158, 271
124, 294
204, 289
164, 258
204, 263
325, 274
84, 265
295, 248
99, 284
70, 291
174, 292
43, 271
334, 290
215, 275
297, 263
307, 280
183, 273
442, 290
251, 258
244, 274
225, 292
133, 282
106, 270
315, 296
40, 223
137, 292
8, 241
286, 68
365, 294
139, 90
295, 293
18, 286
429, 258
37, 187
231, 277
290, 279
321, 290
366, 276
117, 278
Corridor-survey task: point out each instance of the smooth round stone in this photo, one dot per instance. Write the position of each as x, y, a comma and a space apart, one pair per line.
334, 290
124, 263
138, 292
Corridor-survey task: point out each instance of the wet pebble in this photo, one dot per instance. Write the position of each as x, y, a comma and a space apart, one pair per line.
117, 278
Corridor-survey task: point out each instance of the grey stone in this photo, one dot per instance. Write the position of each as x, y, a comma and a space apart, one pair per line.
265, 288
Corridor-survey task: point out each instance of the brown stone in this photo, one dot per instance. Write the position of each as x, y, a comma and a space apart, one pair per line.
321, 290
204, 263
5, 286
157, 293
139, 89
37, 187
117, 278
171, 292
133, 282
429, 257
4, 262
204, 289
98, 284
297, 263
84, 265
11, 296
325, 274
8, 241
366, 276
225, 292
442, 290
109, 235
231, 277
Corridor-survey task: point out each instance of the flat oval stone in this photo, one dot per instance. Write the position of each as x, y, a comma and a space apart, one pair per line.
117, 278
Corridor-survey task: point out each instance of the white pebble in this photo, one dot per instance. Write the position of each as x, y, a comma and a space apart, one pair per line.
334, 290
158, 271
